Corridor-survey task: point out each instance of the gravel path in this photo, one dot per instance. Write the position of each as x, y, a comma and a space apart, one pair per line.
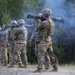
63, 70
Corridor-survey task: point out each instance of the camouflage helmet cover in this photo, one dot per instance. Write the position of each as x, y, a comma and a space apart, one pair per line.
3, 26
21, 22
14, 22
46, 12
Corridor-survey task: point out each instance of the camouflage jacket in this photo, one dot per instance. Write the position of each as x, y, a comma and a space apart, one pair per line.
35, 36
46, 29
19, 34
3, 37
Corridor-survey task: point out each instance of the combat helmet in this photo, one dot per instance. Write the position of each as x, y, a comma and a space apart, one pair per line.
3, 26
21, 22
14, 23
46, 12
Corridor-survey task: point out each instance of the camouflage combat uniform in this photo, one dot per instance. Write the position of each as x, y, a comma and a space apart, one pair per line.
3, 47
36, 39
10, 46
11, 43
46, 30
19, 36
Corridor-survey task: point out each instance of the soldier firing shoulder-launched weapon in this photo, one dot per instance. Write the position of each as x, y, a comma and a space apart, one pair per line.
55, 19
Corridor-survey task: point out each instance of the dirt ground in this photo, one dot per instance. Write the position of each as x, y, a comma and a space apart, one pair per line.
63, 70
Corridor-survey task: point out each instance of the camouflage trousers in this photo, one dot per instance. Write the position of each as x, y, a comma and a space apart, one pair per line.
3, 54
19, 49
10, 52
47, 61
36, 49
43, 47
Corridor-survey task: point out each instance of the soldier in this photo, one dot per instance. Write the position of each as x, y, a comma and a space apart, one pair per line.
11, 43
23, 38
36, 39
19, 37
8, 29
46, 29
3, 46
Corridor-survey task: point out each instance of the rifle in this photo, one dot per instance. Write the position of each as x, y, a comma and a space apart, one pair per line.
55, 19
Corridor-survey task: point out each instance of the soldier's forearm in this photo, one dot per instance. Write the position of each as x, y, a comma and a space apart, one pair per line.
40, 27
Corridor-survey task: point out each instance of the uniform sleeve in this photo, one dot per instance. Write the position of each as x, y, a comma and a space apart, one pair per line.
26, 34
42, 25
8, 35
52, 27
14, 34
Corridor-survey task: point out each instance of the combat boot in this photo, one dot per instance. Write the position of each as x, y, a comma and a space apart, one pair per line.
0, 63
55, 68
21, 65
5, 63
39, 70
46, 69
11, 65
25, 65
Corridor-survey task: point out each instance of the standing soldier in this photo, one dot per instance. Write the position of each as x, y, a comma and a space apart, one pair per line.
35, 38
8, 28
46, 29
19, 37
11, 43
23, 41
3, 46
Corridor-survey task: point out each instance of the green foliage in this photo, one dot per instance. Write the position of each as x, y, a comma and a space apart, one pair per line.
58, 50
14, 9
3, 9
31, 54
5, 19
28, 4
64, 47
17, 7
